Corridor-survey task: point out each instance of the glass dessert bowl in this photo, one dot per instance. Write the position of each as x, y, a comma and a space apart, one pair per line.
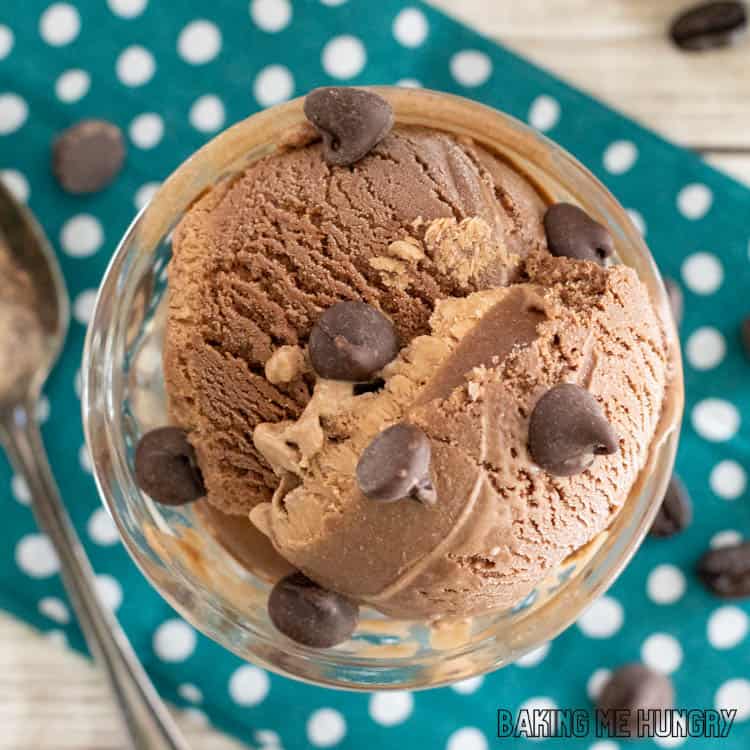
178, 547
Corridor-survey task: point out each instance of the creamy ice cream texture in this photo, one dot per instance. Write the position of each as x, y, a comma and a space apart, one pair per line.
447, 240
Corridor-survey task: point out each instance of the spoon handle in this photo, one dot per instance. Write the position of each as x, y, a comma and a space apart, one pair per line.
146, 718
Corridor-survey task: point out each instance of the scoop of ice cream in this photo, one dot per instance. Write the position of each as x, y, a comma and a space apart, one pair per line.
257, 261
500, 523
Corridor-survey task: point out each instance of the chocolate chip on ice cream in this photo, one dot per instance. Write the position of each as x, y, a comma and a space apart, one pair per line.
310, 615
396, 464
88, 156
166, 468
572, 233
568, 429
352, 341
350, 121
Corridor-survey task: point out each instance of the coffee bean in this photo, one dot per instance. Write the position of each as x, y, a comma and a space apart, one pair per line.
726, 571
745, 333
88, 156
350, 121
166, 467
572, 233
568, 429
676, 511
309, 614
396, 465
352, 341
631, 688
709, 26
676, 300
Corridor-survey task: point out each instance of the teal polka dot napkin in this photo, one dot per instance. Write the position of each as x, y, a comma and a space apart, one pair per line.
173, 73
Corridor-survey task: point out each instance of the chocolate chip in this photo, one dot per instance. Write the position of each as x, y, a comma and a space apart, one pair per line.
745, 333
573, 233
166, 467
350, 121
632, 688
726, 571
352, 341
676, 511
309, 614
88, 156
709, 26
396, 464
567, 429
676, 300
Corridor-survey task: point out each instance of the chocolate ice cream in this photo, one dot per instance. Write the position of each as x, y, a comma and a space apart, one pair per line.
446, 245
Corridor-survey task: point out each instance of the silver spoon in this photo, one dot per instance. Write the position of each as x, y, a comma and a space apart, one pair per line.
34, 315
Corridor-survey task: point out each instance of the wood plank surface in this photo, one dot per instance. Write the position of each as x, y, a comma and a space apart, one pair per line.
616, 50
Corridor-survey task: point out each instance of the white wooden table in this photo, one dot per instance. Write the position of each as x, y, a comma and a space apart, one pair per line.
615, 49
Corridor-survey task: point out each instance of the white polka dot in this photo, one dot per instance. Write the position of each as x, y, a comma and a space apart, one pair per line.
602, 619
59, 24
84, 459
728, 480
249, 685
147, 130
109, 591
326, 727
13, 113
135, 66
265, 737
174, 640
101, 528
391, 707
20, 489
6, 41
409, 83
468, 686
533, 657
36, 556
466, 738
55, 609
199, 42
81, 236
83, 306
532, 707
662, 652
715, 419
72, 85
694, 201
57, 638
410, 27
604, 745
190, 692
344, 56
726, 538
145, 193
727, 627
638, 221
16, 183
677, 738
665, 584
470, 67
207, 113
42, 409
705, 349
272, 85
703, 273
596, 682
195, 718
620, 156
544, 113
271, 15
127, 8
734, 694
